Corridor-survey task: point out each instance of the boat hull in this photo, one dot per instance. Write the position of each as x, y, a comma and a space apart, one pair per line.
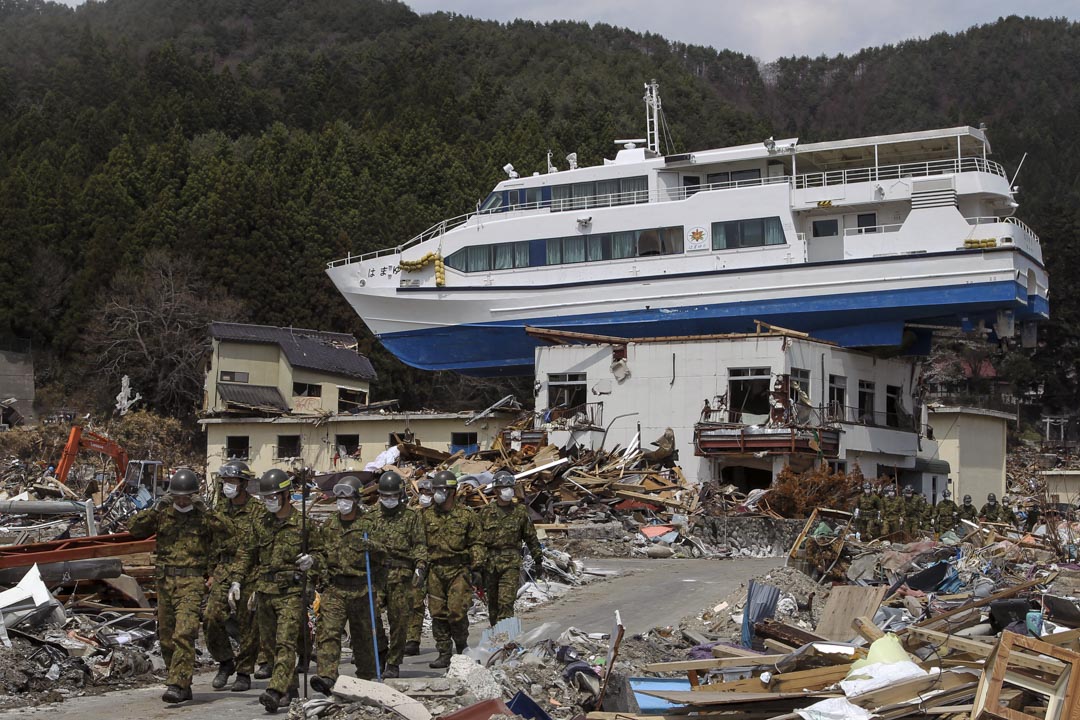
857, 303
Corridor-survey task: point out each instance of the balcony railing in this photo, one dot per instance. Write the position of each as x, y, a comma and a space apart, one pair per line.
895, 172
872, 229
800, 415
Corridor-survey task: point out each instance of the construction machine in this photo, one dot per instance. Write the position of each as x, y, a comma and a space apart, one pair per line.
131, 474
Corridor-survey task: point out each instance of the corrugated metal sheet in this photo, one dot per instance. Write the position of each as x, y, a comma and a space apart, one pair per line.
252, 396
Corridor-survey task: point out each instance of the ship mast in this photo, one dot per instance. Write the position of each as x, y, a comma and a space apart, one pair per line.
652, 116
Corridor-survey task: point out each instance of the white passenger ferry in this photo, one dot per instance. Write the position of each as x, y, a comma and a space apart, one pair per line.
867, 242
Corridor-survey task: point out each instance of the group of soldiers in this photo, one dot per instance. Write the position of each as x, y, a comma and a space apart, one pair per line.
891, 516
253, 561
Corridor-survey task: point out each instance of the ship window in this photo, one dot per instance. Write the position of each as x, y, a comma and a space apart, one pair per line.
511, 255
648, 243
607, 192
718, 178
634, 189
533, 196
492, 202
826, 228
754, 232
691, 184
622, 245
554, 251
573, 249
868, 221
583, 195
560, 197
478, 258
671, 240
742, 175
596, 247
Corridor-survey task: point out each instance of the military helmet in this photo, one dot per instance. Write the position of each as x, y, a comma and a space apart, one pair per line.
423, 484
390, 483
946, 494
348, 486
909, 490
184, 482
274, 481
867, 486
991, 498
503, 478
967, 499
444, 479
236, 469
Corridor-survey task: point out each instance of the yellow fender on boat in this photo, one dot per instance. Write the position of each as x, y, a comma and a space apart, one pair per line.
420, 264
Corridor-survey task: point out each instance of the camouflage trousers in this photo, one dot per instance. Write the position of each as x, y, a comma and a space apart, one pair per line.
417, 608
501, 582
278, 617
179, 601
449, 597
398, 595
215, 629
338, 606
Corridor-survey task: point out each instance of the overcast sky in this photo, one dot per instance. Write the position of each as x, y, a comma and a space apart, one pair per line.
766, 29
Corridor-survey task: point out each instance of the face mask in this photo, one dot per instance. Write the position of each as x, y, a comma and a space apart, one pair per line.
506, 494
345, 506
230, 490
389, 503
185, 509
440, 498
424, 500
273, 504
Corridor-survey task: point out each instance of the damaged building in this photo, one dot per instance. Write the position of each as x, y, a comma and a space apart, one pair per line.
290, 397
742, 407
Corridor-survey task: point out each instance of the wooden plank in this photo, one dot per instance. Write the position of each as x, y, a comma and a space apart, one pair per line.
846, 602
779, 647
866, 629
699, 698
645, 497
796, 681
982, 649
732, 651
714, 663
1006, 593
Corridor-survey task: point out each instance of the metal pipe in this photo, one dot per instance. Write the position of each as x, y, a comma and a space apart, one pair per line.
42, 507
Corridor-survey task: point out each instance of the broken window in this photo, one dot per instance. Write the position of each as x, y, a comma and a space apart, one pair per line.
288, 446
232, 376
464, 441
347, 445
838, 466
306, 389
838, 398
799, 394
350, 401
567, 390
895, 415
237, 447
866, 402
748, 394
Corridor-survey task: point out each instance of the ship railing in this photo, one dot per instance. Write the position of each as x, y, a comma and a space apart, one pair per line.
1026, 232
895, 172
435, 230
873, 229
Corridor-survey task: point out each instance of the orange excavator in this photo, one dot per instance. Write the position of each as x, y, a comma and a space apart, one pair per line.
133, 473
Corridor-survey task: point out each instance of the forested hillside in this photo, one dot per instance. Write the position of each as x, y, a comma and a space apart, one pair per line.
226, 149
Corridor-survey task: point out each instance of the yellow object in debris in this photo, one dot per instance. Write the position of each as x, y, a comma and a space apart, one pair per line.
428, 259
884, 650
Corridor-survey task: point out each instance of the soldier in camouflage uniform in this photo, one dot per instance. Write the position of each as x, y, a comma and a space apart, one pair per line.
505, 525
892, 513
455, 559
403, 563
278, 564
419, 596
945, 514
967, 511
188, 534
242, 511
867, 513
339, 548
995, 512
915, 507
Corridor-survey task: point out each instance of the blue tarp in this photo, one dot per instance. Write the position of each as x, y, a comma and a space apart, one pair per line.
760, 604
650, 705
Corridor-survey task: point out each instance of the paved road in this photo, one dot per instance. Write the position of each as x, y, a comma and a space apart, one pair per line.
647, 593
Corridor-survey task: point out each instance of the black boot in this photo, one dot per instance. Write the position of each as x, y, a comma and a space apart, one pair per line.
412, 648
271, 700
225, 671
176, 694
461, 645
242, 683
443, 661
390, 671
320, 684
263, 672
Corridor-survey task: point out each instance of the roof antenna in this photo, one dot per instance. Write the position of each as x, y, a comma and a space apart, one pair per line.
551, 168
652, 116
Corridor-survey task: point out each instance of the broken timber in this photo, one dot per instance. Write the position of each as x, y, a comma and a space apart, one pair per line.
73, 549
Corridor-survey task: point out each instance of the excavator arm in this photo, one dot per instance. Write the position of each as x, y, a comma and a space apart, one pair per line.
79, 439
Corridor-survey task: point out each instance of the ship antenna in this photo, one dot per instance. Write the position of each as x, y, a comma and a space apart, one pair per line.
652, 116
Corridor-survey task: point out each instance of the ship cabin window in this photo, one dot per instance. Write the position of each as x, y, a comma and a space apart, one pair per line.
866, 222
738, 176
756, 232
601, 193
491, 203
483, 258
748, 390
826, 228
691, 184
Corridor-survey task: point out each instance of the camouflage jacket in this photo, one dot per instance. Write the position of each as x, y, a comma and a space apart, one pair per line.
945, 514
242, 519
967, 512
869, 507
271, 559
402, 542
505, 528
184, 540
915, 508
997, 513
339, 546
892, 507
454, 537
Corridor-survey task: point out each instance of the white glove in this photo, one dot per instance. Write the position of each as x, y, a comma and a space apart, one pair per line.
252, 602
304, 562
234, 595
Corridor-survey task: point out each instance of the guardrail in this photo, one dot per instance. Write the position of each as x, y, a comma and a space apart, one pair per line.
894, 172
991, 220
873, 229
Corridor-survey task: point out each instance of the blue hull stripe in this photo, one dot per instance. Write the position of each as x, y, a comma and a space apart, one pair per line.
852, 320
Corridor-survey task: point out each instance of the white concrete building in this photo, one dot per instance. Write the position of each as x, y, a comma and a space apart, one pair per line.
972, 441
741, 406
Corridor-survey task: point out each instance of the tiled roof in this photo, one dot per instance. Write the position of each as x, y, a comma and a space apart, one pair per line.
333, 353
252, 396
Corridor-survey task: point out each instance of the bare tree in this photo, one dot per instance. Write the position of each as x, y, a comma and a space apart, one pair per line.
152, 323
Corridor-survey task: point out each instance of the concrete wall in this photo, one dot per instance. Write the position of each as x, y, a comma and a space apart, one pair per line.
17, 381
669, 383
1065, 484
318, 443
750, 535
972, 441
